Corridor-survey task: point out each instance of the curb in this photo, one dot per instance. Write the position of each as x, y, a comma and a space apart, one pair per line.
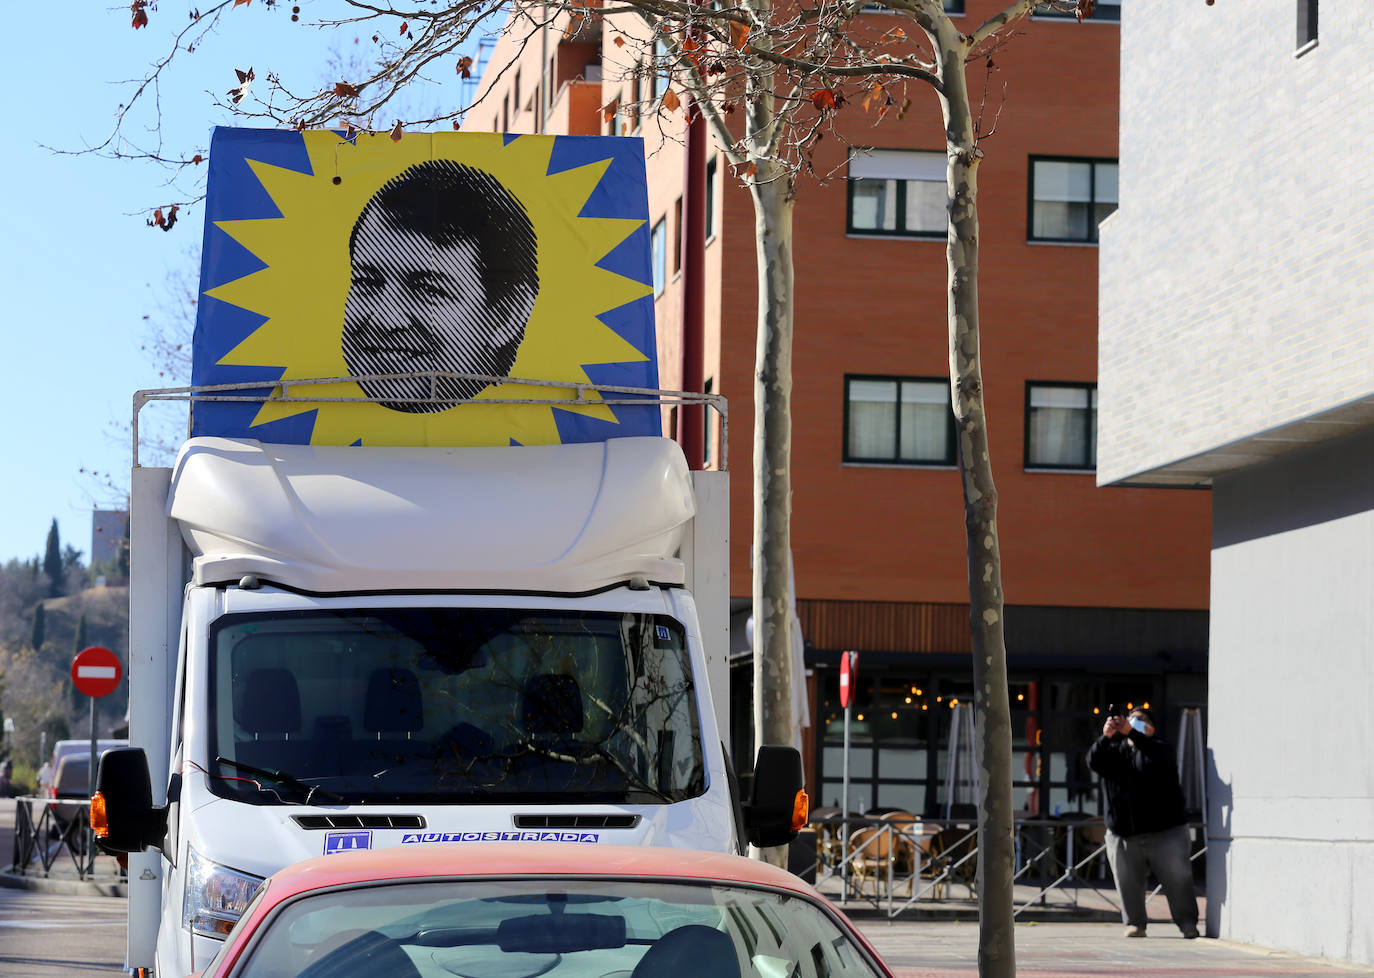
949, 915
65, 887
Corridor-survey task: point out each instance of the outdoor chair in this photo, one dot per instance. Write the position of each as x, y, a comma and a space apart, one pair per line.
953, 857
874, 850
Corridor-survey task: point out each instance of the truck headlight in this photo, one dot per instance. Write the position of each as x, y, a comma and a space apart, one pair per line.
216, 896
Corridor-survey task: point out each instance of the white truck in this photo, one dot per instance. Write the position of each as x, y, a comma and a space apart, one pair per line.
344, 647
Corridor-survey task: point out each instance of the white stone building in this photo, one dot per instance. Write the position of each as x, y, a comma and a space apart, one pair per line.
1237, 356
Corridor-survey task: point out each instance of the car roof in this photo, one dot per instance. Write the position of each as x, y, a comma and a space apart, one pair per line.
524, 859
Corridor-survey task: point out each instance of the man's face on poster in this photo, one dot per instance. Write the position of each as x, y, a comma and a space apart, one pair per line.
420, 300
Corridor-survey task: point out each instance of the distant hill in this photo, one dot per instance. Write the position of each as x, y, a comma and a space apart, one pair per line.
107, 623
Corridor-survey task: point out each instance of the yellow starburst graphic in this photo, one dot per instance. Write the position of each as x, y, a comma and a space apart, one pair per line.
303, 288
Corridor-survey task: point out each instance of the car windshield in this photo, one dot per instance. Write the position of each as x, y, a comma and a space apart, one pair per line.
452, 704
555, 928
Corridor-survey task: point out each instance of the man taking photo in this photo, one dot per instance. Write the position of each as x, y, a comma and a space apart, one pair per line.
1146, 822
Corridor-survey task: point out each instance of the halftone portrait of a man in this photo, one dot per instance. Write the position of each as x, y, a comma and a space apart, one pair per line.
444, 274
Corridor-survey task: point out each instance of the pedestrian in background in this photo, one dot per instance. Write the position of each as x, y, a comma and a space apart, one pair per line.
1146, 821
6, 775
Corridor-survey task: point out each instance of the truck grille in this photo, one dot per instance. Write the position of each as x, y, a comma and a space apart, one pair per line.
576, 821
360, 821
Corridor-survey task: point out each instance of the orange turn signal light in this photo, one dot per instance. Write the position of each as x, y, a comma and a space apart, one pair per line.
99, 822
801, 811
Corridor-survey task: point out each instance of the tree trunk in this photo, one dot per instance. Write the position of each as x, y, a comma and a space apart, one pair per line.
996, 846
772, 547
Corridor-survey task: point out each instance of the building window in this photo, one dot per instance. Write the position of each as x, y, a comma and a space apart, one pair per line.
1103, 10
898, 192
1307, 23
659, 251
661, 70
899, 420
515, 91
505, 113
955, 7
1061, 426
635, 96
710, 198
677, 235
1069, 198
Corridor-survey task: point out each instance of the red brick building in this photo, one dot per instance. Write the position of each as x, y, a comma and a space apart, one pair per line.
1106, 589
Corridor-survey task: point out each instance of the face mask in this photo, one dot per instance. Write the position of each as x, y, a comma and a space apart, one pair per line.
1138, 724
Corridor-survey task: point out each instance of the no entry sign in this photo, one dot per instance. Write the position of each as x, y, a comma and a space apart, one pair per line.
849, 665
96, 671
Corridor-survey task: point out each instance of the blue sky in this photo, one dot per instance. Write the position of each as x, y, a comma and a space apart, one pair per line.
81, 269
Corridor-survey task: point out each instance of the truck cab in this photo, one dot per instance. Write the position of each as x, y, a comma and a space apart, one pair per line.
412, 647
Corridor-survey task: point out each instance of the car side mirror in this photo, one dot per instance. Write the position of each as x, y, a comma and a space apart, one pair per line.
122, 812
778, 807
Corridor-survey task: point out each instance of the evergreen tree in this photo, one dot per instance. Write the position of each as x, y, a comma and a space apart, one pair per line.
72, 569
122, 559
40, 627
80, 633
52, 562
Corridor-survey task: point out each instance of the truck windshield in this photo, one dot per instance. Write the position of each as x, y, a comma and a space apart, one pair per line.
435, 705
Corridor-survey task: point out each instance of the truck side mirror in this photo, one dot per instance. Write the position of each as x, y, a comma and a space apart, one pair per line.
122, 812
778, 807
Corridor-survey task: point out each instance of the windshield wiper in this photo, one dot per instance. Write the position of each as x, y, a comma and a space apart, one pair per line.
312, 791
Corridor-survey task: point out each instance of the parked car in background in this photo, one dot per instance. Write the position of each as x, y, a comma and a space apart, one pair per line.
77, 779
520, 910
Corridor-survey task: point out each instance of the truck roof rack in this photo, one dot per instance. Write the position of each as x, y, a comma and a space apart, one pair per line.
298, 391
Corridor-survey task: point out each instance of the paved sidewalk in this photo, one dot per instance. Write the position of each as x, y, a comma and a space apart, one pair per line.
931, 949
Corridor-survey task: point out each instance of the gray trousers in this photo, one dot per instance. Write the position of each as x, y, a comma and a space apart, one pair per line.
1166, 853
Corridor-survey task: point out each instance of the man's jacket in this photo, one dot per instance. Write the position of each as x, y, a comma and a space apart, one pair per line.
1141, 782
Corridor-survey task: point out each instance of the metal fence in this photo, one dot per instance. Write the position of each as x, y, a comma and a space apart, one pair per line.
49, 830
894, 864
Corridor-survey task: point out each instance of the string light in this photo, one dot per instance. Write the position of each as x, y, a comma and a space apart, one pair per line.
859, 717
939, 699
925, 706
953, 703
916, 690
908, 699
1096, 711
894, 714
1144, 706
1020, 697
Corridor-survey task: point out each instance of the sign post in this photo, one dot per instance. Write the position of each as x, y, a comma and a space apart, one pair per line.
96, 671
849, 664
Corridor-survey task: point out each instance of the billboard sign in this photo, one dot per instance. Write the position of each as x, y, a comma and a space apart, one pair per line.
361, 257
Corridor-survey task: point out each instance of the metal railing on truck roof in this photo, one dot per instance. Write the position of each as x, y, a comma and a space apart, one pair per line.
286, 392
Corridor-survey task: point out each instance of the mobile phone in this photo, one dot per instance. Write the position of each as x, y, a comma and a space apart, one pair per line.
1115, 711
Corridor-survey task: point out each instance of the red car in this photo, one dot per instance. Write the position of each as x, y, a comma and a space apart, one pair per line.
527, 910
